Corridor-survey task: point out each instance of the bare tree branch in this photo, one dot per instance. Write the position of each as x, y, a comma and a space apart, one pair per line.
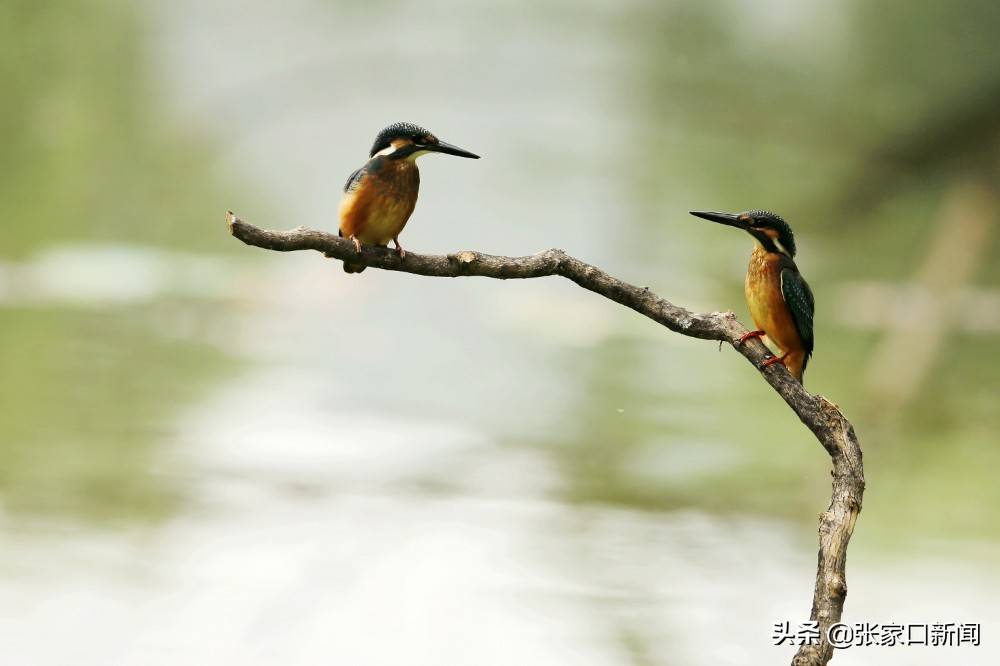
823, 418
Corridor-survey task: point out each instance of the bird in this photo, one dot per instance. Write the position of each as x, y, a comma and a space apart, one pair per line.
379, 197
778, 297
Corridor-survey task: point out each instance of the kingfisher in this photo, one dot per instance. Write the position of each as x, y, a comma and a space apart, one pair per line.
780, 301
380, 196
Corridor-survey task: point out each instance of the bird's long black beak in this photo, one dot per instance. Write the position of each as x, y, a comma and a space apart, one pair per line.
729, 219
448, 149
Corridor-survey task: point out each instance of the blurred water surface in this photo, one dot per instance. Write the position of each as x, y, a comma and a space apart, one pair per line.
214, 455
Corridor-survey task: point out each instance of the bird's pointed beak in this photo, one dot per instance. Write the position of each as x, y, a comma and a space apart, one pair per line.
448, 149
729, 219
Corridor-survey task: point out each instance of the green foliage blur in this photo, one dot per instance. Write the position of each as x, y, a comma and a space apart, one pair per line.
862, 125
859, 122
89, 157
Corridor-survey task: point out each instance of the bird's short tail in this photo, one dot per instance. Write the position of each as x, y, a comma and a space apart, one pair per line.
796, 363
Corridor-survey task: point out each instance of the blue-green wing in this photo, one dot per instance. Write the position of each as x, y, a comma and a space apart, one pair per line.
799, 298
373, 167
354, 180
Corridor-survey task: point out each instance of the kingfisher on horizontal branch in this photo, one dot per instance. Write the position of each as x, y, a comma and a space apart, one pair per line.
380, 196
780, 301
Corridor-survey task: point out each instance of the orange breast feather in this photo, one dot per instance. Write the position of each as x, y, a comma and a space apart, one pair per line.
377, 209
767, 307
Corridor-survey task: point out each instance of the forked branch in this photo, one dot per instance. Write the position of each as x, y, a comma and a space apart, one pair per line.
821, 416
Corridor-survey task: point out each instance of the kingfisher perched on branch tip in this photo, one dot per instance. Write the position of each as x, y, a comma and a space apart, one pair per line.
780, 301
380, 196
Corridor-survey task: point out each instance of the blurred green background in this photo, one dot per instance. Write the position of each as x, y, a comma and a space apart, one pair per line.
165, 388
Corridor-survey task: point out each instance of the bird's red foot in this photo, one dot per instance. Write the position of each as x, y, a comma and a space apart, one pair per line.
773, 360
399, 248
357, 244
749, 334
